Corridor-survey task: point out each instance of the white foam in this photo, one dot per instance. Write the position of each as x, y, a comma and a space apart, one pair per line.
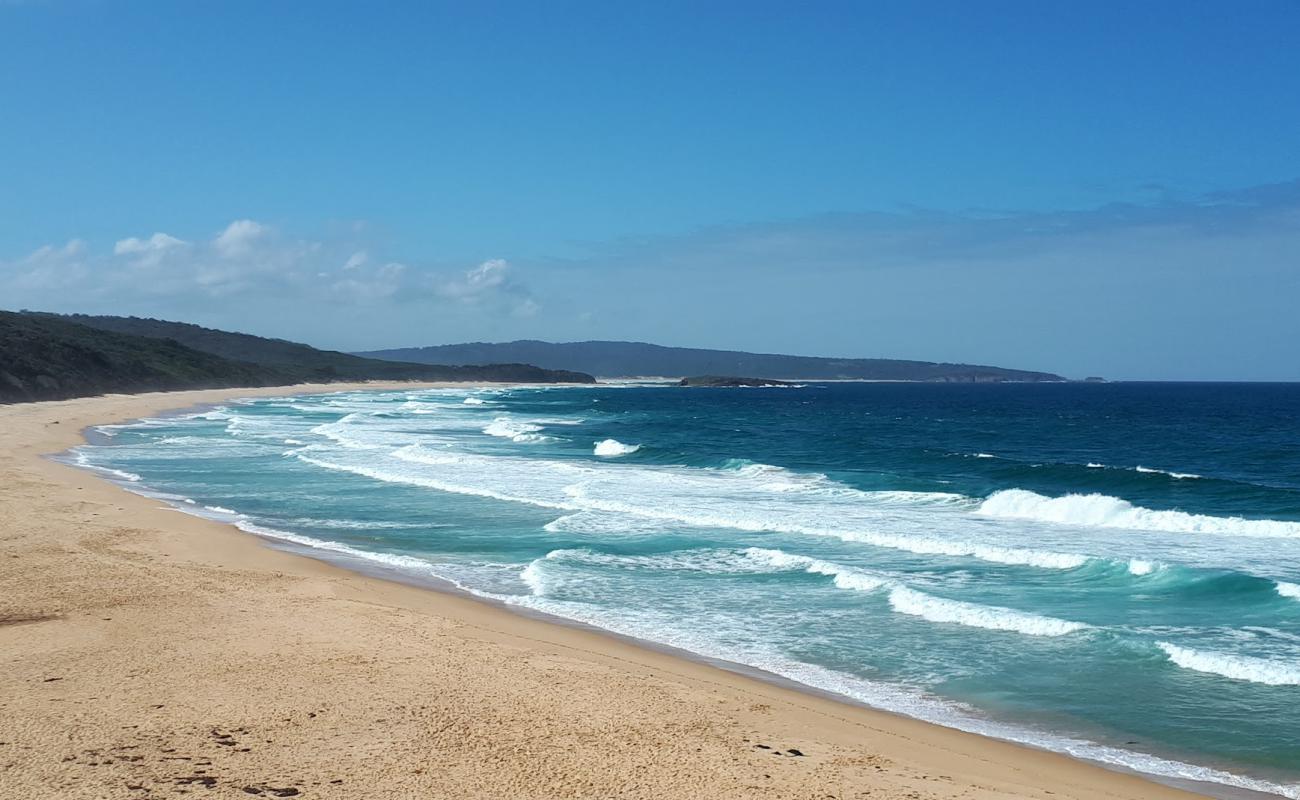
222, 510
532, 577
1285, 589
514, 430
1015, 556
1271, 633
937, 609
429, 483
1137, 566
843, 577
743, 495
405, 563
1178, 475
611, 448
1094, 465
83, 461
364, 525
1104, 511
473, 401
706, 560
596, 523
985, 455
1271, 672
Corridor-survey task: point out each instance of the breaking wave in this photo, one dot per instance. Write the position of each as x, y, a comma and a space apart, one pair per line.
1285, 589
514, 430
1268, 671
1104, 511
612, 447
937, 609
1177, 475
843, 577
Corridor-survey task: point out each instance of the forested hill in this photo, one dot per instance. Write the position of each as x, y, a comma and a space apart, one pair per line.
49, 356
627, 359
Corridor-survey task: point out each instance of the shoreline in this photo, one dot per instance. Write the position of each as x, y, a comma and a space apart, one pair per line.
845, 749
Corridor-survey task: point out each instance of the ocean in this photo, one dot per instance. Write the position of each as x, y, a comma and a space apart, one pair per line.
1106, 570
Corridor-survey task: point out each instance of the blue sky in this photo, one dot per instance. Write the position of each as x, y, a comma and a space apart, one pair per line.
1089, 188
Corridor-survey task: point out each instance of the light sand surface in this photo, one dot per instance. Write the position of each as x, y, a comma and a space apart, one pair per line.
145, 653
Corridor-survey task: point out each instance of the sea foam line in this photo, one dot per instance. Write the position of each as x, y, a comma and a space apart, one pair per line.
1016, 556
902, 599
83, 461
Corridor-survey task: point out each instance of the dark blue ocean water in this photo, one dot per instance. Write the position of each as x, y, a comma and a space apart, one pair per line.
1107, 570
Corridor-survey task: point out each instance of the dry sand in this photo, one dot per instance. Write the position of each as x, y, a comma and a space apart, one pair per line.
146, 653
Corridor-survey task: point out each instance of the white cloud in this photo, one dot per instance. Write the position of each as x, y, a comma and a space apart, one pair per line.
149, 252
527, 307
239, 238
253, 262
482, 280
159, 242
51, 268
74, 248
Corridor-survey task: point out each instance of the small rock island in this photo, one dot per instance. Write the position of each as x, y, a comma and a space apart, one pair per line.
726, 381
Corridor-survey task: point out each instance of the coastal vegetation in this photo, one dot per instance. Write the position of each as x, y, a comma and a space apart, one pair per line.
50, 357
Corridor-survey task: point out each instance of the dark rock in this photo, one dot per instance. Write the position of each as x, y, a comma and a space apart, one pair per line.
728, 381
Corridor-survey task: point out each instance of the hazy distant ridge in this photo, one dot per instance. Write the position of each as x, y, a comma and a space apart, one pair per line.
626, 359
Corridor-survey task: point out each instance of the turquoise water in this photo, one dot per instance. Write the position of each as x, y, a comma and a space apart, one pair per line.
1111, 571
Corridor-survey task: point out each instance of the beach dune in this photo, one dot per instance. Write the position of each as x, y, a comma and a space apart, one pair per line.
147, 654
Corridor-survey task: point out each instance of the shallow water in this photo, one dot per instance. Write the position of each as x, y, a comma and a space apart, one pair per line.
1111, 571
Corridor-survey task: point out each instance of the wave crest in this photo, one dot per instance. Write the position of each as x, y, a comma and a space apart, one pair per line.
611, 448
1285, 589
843, 577
514, 430
1104, 511
974, 615
1267, 671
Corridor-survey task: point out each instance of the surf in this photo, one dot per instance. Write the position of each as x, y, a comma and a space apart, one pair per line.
1104, 511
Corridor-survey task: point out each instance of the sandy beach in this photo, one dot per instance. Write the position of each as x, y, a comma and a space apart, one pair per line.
148, 653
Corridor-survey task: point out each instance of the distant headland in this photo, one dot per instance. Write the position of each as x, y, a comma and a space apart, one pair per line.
638, 359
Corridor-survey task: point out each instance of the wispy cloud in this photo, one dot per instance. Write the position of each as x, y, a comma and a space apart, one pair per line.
1184, 287
247, 259
865, 241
